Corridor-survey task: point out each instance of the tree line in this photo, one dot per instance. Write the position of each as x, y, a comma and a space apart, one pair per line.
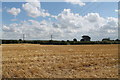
54, 42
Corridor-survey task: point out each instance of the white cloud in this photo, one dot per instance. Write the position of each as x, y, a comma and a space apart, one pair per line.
91, 24
35, 3
5, 28
14, 11
34, 9
117, 11
68, 25
8, 28
77, 2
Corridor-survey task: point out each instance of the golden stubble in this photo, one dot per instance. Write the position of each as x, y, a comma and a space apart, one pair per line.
59, 61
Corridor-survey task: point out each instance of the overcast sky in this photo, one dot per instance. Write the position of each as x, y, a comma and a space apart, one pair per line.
64, 20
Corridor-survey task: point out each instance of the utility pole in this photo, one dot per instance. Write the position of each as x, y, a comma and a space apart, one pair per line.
51, 37
23, 37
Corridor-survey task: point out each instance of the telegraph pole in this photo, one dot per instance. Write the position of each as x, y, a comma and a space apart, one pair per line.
51, 37
23, 37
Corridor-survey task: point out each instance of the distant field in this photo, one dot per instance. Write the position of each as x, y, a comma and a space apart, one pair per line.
59, 61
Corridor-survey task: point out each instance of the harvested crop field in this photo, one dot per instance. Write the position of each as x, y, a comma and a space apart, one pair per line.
59, 61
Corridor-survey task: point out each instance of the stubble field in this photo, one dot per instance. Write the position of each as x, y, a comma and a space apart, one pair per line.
59, 61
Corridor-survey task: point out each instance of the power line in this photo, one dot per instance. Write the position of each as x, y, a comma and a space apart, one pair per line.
91, 7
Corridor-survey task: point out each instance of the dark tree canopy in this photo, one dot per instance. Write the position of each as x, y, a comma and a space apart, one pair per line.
75, 40
20, 39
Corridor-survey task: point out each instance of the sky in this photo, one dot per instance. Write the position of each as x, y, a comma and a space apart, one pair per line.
64, 20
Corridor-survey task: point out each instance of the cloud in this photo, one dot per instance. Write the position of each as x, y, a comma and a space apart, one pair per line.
90, 24
14, 11
68, 25
116, 10
76, 2
35, 3
34, 9
7, 29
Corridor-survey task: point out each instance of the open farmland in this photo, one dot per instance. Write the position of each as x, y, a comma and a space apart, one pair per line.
59, 61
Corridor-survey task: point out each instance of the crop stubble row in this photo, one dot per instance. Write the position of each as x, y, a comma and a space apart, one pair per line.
59, 61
